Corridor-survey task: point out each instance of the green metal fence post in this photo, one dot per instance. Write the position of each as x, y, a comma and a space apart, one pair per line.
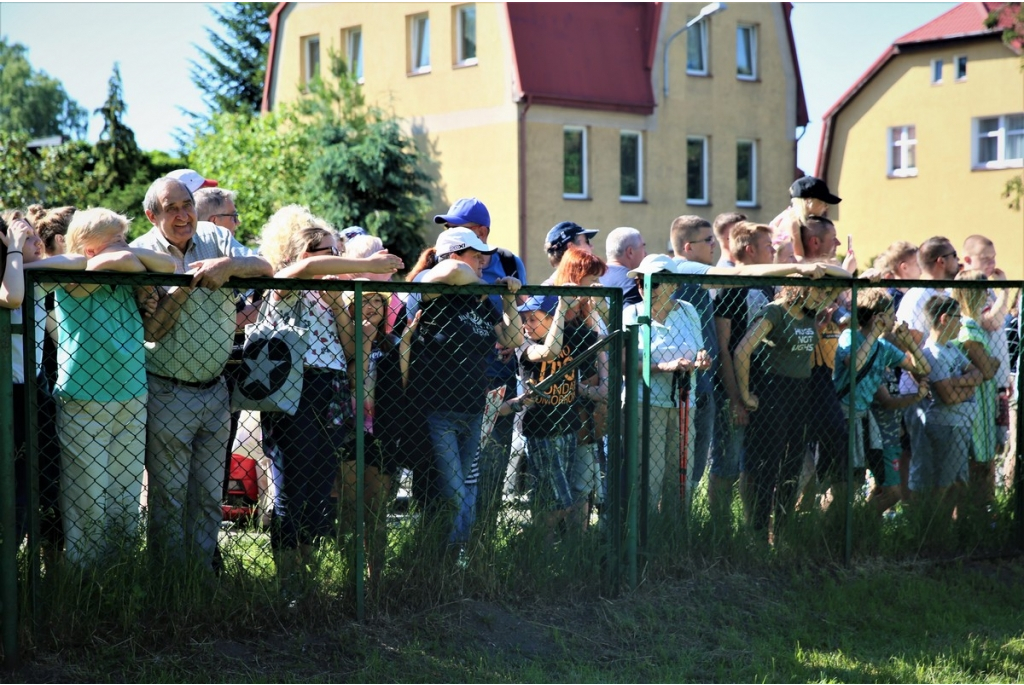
631, 438
852, 426
32, 445
615, 447
358, 538
644, 397
9, 545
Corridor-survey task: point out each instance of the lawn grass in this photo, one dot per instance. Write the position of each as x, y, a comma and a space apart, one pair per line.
877, 622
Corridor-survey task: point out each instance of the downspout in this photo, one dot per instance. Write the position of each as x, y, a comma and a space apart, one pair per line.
523, 242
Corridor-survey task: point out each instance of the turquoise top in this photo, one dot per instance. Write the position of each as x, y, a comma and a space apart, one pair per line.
100, 352
889, 356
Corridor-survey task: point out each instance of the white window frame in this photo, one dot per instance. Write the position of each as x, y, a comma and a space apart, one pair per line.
355, 62
460, 59
705, 200
1000, 162
931, 73
701, 28
752, 32
584, 195
904, 143
639, 197
956, 68
752, 202
415, 67
308, 57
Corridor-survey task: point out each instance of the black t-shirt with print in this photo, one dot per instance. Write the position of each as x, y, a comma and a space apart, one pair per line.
448, 369
740, 306
557, 411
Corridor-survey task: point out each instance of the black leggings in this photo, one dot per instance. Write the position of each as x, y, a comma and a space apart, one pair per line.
775, 442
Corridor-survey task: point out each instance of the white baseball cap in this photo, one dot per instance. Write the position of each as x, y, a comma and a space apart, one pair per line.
654, 263
192, 180
455, 239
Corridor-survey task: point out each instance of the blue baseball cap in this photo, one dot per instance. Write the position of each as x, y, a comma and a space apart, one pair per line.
468, 210
540, 303
564, 233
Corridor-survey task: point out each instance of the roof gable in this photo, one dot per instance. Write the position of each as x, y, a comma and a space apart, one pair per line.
588, 55
966, 20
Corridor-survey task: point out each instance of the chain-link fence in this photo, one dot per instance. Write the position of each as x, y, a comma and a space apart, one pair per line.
844, 416
394, 443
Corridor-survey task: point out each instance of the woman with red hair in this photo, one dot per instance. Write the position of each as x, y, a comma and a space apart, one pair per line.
579, 267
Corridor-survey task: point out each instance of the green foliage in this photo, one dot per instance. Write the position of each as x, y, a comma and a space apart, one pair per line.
263, 158
33, 102
349, 162
19, 170
1013, 36
231, 77
118, 157
366, 171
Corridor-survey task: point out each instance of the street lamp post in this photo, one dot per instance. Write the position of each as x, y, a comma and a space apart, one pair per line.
705, 12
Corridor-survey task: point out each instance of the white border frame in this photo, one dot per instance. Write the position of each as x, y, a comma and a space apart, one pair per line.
753, 52
348, 51
902, 172
307, 62
956, 59
1001, 162
586, 165
413, 43
931, 71
639, 197
702, 29
460, 61
752, 202
706, 163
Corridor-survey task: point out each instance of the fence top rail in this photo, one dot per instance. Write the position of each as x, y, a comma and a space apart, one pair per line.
828, 281
269, 283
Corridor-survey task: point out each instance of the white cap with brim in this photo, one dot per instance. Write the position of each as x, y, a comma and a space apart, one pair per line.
192, 179
456, 239
654, 263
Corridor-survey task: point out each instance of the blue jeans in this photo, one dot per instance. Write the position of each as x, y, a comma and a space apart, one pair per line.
455, 437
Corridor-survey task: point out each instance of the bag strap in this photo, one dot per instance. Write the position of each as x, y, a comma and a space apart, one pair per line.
864, 370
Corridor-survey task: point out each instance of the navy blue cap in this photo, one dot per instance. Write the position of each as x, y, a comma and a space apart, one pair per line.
564, 233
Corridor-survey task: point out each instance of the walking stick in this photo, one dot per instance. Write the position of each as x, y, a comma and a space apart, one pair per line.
683, 379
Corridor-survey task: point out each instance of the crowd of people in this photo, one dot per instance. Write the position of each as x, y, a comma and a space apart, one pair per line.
750, 383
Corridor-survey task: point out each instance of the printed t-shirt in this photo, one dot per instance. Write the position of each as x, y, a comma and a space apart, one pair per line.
556, 412
790, 342
448, 370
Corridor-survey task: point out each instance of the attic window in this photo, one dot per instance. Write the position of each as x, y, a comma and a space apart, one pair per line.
960, 67
936, 72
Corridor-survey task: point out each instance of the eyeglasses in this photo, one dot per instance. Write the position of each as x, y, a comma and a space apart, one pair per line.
947, 256
333, 250
234, 217
710, 239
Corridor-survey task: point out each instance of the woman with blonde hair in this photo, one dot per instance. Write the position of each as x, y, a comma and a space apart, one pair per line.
975, 343
305, 447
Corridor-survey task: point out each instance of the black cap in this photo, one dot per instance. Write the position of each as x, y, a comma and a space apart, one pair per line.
564, 233
813, 188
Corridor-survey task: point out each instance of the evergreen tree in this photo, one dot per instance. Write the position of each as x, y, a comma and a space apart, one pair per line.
118, 157
231, 77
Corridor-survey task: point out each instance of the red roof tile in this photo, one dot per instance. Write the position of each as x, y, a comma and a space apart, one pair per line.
589, 55
966, 19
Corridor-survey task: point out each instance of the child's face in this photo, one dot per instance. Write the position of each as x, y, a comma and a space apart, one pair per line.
34, 248
948, 326
111, 240
537, 324
373, 308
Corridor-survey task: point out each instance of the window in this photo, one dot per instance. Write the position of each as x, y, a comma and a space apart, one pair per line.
574, 163
310, 58
903, 151
697, 170
465, 35
631, 174
960, 67
354, 52
746, 53
419, 44
697, 49
936, 72
999, 141
746, 173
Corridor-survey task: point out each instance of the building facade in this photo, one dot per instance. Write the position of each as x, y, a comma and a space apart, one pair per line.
925, 141
565, 111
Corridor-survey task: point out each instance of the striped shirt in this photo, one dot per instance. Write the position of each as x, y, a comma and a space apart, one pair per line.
196, 349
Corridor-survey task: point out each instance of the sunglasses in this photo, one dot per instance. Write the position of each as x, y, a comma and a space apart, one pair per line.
332, 250
234, 216
710, 239
947, 256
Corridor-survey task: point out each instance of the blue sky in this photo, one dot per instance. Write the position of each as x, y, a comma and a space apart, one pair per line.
78, 43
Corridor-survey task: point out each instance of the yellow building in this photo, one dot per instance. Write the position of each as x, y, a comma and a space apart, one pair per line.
925, 141
559, 111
